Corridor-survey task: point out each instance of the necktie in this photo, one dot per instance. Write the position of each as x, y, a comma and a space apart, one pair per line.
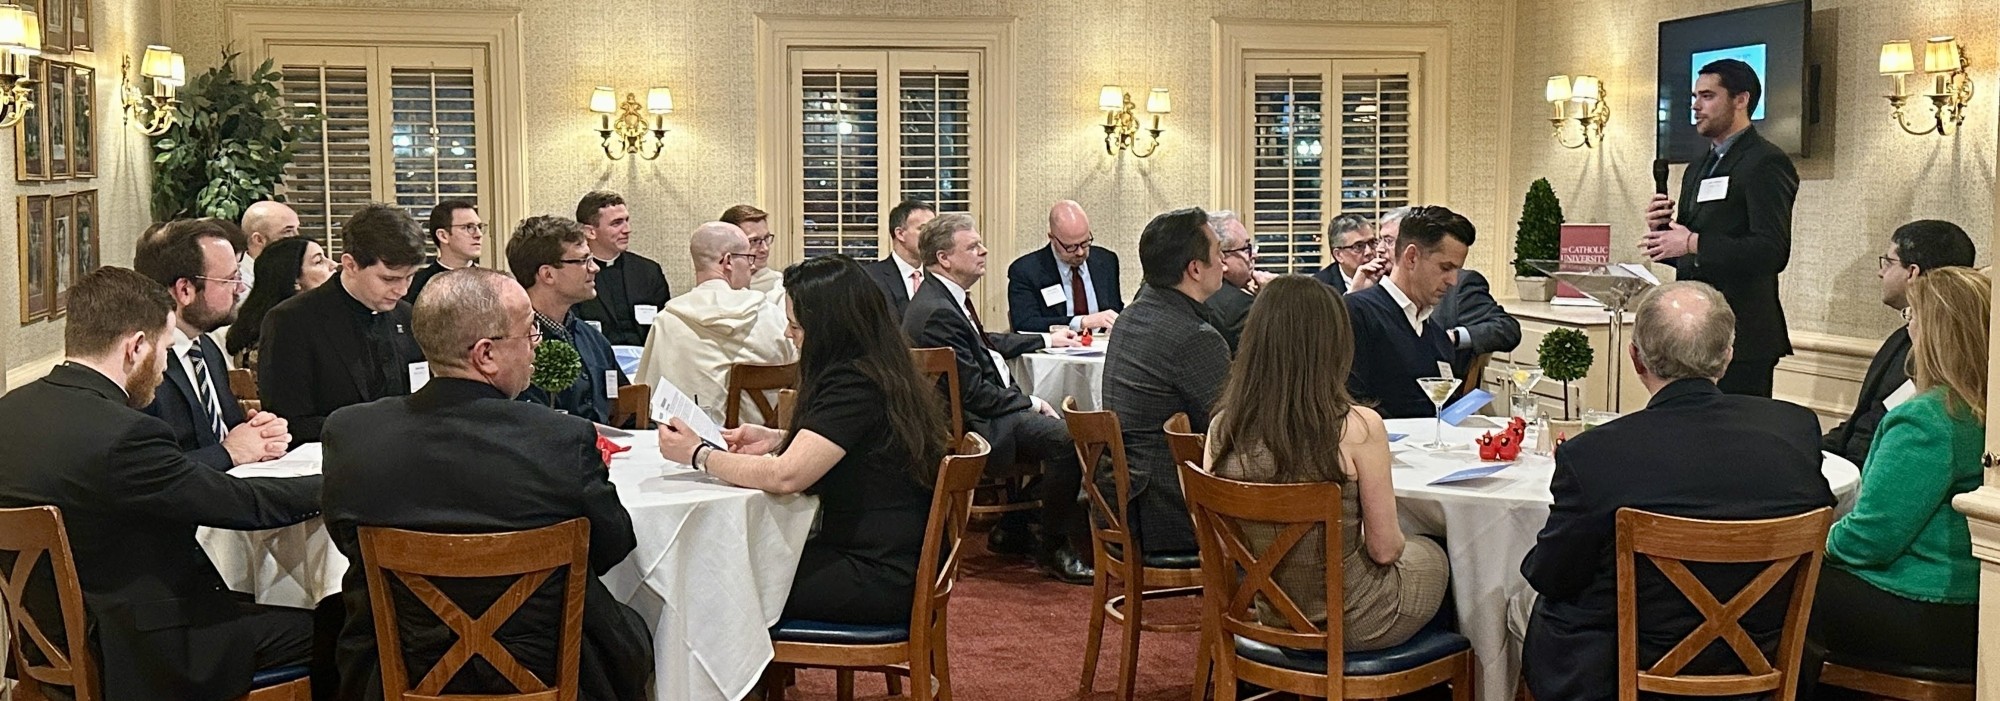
916, 279
1079, 296
1708, 165
978, 329
204, 392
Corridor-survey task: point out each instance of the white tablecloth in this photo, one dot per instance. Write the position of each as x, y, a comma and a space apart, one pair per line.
1489, 525
713, 566
1054, 377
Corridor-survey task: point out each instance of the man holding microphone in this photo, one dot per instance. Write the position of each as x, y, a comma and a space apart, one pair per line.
1735, 233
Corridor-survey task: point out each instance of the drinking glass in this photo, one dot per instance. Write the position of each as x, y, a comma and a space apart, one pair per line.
1438, 389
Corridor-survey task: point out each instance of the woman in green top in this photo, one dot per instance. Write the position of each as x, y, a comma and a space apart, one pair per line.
1900, 590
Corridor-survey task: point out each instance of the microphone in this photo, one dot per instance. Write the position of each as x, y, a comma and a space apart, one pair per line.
1659, 181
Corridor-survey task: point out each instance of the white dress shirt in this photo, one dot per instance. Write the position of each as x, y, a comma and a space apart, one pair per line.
958, 293
912, 275
217, 368
1416, 316
1076, 309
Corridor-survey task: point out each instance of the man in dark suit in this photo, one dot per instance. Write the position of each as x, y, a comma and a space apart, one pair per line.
195, 262
630, 287
1066, 283
1735, 231
1019, 426
900, 272
1693, 452
1914, 249
163, 623
347, 341
460, 456
460, 237
1240, 277
1396, 337
1357, 251
1167, 358
1473, 321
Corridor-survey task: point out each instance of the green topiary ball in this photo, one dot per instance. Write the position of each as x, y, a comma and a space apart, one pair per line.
557, 365
1566, 355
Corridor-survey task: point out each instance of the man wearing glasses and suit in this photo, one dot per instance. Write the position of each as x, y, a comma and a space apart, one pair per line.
1066, 283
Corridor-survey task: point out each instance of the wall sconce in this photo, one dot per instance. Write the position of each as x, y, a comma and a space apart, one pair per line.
1121, 127
20, 38
155, 112
627, 133
1950, 85
1583, 101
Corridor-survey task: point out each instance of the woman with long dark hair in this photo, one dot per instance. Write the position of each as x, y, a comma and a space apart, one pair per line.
1286, 418
866, 438
287, 267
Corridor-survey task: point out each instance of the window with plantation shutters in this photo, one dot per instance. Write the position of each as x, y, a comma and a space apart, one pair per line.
1326, 137
398, 124
876, 128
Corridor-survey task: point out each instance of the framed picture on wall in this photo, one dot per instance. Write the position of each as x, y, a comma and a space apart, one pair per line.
79, 25
34, 257
62, 220
56, 111
55, 26
85, 258
31, 152
82, 121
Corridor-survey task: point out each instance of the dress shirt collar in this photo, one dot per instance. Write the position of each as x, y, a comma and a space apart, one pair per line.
602, 263
182, 344
347, 299
1722, 149
1345, 278
1415, 316
958, 294
563, 330
903, 267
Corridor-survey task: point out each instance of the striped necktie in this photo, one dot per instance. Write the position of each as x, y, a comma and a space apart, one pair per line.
204, 392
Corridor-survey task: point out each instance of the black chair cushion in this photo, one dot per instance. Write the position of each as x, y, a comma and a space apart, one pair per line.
801, 631
278, 675
1427, 646
1170, 560
1948, 675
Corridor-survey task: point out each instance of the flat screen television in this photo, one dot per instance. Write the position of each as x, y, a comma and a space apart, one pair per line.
1771, 38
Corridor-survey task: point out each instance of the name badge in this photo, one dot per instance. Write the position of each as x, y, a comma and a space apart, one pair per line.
1053, 296
1902, 394
644, 313
597, 326
1444, 369
420, 375
611, 384
1713, 189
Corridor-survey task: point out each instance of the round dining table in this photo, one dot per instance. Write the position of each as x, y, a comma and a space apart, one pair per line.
1057, 373
1488, 525
710, 574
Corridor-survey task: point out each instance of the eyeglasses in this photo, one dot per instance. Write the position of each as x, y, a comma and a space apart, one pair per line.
573, 261
474, 227
1244, 251
762, 241
1883, 262
734, 256
238, 281
534, 338
1075, 248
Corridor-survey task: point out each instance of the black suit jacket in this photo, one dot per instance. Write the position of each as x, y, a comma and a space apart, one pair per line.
175, 404
1330, 276
632, 280
422, 278
314, 358
992, 406
1028, 274
1693, 452
1746, 239
1886, 373
165, 625
1231, 305
889, 276
1470, 304
487, 464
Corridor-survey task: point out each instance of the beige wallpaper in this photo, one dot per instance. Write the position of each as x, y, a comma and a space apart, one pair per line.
1864, 176
704, 51
124, 174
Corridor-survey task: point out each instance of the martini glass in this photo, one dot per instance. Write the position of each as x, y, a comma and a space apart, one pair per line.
1438, 389
1521, 381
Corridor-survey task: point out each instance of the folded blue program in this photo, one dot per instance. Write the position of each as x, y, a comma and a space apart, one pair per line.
1472, 401
1393, 437
1471, 473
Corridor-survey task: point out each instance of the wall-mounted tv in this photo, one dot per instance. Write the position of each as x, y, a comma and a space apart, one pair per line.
1771, 38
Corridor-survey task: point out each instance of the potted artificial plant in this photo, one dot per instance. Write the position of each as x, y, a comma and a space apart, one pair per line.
557, 366
229, 145
1566, 356
1538, 238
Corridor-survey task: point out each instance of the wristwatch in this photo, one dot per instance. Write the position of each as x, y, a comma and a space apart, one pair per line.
697, 460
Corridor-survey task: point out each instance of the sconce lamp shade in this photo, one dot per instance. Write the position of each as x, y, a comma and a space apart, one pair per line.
603, 100
1941, 55
1586, 89
13, 27
1159, 102
659, 100
178, 71
158, 64
1558, 89
1111, 98
31, 41
1896, 59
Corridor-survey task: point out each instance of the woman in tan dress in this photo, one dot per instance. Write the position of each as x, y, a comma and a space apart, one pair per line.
1286, 418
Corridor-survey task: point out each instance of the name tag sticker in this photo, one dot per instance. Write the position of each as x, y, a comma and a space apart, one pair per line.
597, 326
644, 313
1444, 369
1053, 295
420, 375
1902, 394
611, 384
1713, 189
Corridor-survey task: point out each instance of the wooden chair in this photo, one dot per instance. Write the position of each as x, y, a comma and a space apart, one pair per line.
36, 535
788, 402
1787, 544
531, 556
1301, 658
1473, 374
633, 407
755, 382
1184, 443
1117, 555
243, 384
917, 650
1886, 685
940, 365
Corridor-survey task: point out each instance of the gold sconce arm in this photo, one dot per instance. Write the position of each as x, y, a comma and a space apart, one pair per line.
628, 133
151, 114
1948, 73
1593, 111
1121, 125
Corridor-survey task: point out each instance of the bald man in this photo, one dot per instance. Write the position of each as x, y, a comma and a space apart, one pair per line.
1066, 283
721, 322
263, 223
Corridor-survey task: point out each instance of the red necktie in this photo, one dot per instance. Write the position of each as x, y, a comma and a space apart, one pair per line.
1079, 296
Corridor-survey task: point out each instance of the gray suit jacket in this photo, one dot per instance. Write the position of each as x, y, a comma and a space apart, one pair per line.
1231, 306
1166, 358
1470, 304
